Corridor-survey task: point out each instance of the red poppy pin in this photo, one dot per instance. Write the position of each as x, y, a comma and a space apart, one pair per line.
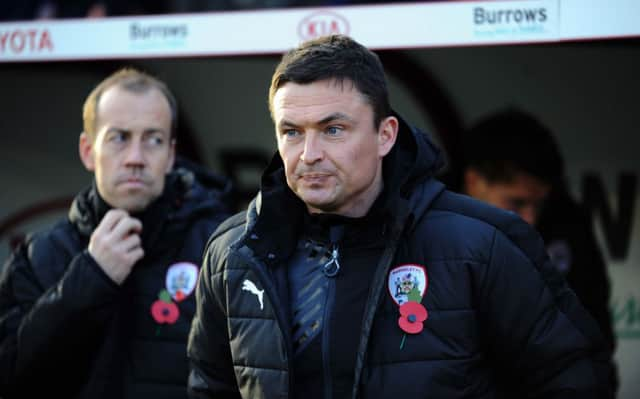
180, 282
163, 310
412, 314
407, 286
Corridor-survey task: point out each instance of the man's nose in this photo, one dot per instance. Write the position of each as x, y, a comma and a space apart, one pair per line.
134, 154
312, 151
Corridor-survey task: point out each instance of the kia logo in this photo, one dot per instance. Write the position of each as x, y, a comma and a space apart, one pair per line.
322, 23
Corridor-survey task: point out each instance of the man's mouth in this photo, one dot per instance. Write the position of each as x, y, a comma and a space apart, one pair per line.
314, 177
133, 182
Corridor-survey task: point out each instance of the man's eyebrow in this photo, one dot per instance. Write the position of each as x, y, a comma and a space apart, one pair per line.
152, 130
146, 132
286, 124
116, 129
336, 116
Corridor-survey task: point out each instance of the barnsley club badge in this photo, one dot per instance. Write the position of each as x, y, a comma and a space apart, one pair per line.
407, 283
181, 280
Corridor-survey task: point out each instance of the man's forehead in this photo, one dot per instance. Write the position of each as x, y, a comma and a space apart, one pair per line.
119, 91
324, 93
333, 85
120, 105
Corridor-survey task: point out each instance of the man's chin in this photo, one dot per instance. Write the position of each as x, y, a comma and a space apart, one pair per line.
136, 208
133, 203
316, 205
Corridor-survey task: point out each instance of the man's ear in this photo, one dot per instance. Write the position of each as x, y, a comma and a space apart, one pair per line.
172, 155
387, 135
85, 148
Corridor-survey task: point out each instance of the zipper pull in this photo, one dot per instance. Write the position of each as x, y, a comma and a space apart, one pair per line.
332, 267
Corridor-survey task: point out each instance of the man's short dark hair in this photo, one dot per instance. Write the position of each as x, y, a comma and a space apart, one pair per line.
133, 80
335, 57
510, 142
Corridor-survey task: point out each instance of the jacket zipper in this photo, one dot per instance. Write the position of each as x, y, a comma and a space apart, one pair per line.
326, 340
330, 270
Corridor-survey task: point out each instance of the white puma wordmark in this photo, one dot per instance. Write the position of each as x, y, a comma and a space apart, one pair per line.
248, 285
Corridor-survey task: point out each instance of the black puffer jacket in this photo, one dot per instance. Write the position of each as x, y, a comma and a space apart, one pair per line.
501, 322
68, 331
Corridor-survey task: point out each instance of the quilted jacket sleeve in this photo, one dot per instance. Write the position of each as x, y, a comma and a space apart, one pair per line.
50, 324
542, 341
211, 373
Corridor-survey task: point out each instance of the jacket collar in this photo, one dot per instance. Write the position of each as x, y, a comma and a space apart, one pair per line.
88, 209
277, 213
190, 192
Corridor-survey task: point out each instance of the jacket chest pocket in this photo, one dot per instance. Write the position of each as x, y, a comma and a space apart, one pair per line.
255, 336
445, 334
442, 359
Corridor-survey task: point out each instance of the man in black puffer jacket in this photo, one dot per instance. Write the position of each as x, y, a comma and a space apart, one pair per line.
355, 274
100, 305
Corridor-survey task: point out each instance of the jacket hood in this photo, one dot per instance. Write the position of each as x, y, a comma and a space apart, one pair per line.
190, 192
409, 173
413, 159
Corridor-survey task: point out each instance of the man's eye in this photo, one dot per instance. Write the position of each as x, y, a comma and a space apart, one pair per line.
291, 133
333, 130
155, 140
118, 137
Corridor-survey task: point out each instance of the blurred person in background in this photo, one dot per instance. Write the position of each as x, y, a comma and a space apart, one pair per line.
512, 161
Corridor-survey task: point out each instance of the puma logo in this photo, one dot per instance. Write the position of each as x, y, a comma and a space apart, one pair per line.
248, 285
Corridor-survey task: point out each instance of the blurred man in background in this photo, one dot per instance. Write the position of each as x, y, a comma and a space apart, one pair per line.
513, 162
100, 305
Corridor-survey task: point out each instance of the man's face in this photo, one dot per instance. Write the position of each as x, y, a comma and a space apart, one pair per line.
132, 150
524, 194
331, 150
